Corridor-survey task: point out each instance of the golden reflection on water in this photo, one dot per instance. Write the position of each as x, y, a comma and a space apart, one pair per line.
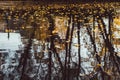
53, 48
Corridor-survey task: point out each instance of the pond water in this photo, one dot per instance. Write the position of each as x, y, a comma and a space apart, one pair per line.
13, 45
15, 42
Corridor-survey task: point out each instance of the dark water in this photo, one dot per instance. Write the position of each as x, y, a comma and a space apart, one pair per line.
13, 45
30, 53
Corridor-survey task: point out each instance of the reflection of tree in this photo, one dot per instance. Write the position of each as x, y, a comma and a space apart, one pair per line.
26, 55
59, 57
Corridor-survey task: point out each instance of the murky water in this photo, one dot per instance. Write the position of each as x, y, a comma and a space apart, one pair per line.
58, 47
13, 45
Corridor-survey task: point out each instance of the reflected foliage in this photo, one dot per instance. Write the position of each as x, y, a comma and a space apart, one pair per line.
64, 42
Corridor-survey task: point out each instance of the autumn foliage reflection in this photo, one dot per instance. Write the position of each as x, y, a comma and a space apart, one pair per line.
66, 42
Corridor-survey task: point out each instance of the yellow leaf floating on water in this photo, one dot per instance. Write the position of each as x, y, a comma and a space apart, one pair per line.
67, 41
117, 21
98, 65
76, 45
55, 31
57, 46
23, 27
96, 30
7, 30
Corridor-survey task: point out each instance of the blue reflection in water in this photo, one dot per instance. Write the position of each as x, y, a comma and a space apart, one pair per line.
8, 48
11, 43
